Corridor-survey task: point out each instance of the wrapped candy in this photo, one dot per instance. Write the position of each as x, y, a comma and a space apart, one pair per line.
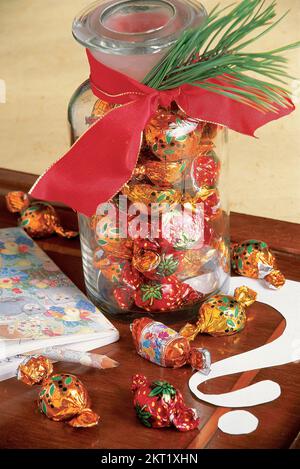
159, 404
63, 397
161, 173
124, 297
111, 268
101, 108
221, 314
205, 170
183, 229
209, 197
146, 261
168, 294
192, 261
162, 345
109, 239
147, 194
39, 219
173, 136
253, 258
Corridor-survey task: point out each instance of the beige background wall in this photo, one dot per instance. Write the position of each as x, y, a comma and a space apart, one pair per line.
42, 65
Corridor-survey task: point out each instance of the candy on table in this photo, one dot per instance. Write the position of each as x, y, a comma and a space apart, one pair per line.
160, 344
253, 258
39, 219
173, 136
168, 294
221, 314
159, 404
63, 397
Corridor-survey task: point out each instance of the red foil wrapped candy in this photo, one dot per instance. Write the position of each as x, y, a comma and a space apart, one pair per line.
63, 397
162, 345
159, 404
205, 170
253, 258
168, 294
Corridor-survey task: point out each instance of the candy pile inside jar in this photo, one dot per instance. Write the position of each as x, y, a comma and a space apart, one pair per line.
159, 245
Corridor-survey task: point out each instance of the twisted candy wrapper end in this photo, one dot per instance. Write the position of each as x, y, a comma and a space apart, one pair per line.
275, 278
87, 418
200, 360
16, 201
190, 331
245, 296
34, 370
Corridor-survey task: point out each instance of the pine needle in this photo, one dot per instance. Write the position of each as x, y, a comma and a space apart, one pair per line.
216, 49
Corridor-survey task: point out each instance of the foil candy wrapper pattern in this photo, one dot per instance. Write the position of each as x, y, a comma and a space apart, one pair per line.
159, 404
221, 314
253, 258
62, 397
39, 219
163, 346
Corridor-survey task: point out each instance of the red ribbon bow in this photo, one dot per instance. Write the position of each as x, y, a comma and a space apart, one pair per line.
102, 160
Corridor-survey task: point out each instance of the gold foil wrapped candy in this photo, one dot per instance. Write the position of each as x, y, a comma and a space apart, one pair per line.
253, 258
161, 173
39, 219
221, 314
173, 136
101, 108
63, 397
147, 194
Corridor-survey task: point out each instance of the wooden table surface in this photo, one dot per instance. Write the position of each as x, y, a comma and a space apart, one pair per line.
22, 426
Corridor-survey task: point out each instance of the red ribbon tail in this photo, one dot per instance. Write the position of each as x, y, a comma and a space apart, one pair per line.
100, 162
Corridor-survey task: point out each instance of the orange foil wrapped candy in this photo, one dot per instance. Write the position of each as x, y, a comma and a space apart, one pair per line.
208, 197
159, 404
39, 219
109, 239
221, 314
101, 108
253, 258
161, 173
173, 136
63, 397
147, 194
162, 345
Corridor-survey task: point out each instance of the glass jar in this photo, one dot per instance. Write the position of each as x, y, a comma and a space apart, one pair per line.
161, 245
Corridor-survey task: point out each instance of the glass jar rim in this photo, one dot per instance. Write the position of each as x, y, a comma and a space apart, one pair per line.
92, 29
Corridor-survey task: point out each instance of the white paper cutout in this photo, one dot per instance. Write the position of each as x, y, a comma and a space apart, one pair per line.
283, 350
238, 422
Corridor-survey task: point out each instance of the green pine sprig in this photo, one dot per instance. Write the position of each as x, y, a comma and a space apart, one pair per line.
217, 48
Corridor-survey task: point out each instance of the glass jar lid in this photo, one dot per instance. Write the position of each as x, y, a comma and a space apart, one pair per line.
130, 27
